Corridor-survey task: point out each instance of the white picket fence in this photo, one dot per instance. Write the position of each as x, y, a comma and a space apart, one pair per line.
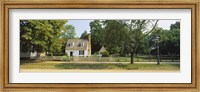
64, 58
105, 59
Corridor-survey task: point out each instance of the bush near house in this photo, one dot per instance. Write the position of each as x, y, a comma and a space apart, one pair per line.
105, 54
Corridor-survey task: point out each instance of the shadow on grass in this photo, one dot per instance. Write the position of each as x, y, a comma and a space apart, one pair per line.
119, 66
27, 61
94, 66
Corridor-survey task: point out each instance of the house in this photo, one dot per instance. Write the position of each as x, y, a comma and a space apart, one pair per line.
30, 55
27, 55
78, 47
102, 49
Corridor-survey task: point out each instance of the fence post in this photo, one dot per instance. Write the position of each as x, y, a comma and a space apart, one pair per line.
172, 57
99, 58
149, 57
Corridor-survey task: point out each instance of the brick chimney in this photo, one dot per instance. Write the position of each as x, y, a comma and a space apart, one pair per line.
89, 44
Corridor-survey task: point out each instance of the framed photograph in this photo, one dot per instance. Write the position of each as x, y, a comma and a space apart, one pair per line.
100, 46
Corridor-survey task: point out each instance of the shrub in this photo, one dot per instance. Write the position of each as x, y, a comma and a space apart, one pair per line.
66, 54
105, 54
96, 54
66, 58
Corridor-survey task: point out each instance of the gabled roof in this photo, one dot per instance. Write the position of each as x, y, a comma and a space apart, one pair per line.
76, 45
102, 49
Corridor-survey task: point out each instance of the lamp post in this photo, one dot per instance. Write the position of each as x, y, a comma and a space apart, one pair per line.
157, 46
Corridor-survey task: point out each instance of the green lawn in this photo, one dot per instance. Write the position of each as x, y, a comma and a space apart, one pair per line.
144, 59
98, 66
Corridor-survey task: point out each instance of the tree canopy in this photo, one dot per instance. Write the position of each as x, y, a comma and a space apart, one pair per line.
41, 35
69, 32
123, 37
96, 35
119, 37
84, 35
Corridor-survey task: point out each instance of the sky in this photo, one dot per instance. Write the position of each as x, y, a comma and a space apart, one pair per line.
82, 25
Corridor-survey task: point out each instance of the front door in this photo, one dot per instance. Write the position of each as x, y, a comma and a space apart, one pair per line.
71, 53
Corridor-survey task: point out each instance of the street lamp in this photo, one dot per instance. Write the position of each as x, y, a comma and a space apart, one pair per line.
157, 46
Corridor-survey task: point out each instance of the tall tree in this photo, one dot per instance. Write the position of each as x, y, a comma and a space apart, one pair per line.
169, 39
96, 35
69, 32
84, 35
54, 42
39, 35
114, 36
175, 38
138, 30
25, 36
34, 34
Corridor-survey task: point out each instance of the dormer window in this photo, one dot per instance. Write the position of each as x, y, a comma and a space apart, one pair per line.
71, 44
81, 44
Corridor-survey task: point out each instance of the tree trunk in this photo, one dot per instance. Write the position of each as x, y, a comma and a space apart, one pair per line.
46, 54
149, 57
137, 57
132, 58
38, 55
161, 57
175, 57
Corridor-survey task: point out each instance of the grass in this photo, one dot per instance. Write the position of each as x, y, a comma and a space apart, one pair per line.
29, 61
98, 66
119, 66
143, 59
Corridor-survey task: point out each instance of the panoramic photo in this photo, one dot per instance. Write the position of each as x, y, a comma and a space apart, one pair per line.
100, 45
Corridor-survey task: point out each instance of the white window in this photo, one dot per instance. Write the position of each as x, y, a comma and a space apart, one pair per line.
81, 44
81, 52
71, 44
